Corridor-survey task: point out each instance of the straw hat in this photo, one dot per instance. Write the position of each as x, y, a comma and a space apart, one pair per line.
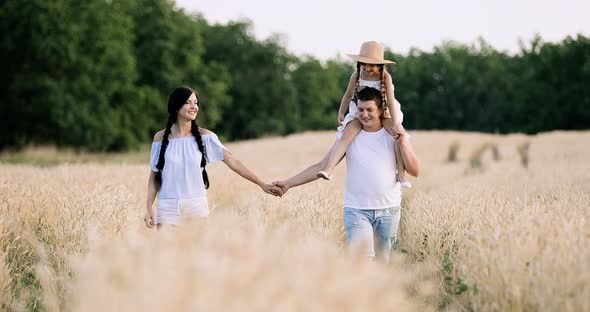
371, 53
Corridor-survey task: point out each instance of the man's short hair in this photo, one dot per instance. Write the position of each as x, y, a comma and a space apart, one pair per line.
370, 94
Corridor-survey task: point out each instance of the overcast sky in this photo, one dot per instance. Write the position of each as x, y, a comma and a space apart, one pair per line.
325, 29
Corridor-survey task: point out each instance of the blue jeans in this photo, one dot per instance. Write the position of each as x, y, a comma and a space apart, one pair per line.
374, 231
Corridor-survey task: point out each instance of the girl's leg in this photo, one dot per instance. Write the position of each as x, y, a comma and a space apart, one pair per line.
351, 130
401, 169
399, 161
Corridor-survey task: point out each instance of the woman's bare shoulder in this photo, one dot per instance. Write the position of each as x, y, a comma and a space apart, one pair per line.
159, 136
204, 131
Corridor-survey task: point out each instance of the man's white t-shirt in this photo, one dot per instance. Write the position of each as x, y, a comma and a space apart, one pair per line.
371, 172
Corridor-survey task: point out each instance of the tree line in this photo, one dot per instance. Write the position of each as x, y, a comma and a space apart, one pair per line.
95, 75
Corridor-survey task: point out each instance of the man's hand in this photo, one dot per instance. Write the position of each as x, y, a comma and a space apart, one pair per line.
282, 185
399, 133
272, 190
397, 130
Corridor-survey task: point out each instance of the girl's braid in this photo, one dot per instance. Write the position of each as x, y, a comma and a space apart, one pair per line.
383, 90
356, 84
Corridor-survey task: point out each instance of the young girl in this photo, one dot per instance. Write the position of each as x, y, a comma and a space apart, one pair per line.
370, 72
178, 159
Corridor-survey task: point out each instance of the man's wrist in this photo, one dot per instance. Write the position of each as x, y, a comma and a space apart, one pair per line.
403, 140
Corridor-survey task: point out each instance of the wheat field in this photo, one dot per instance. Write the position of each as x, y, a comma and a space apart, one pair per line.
494, 223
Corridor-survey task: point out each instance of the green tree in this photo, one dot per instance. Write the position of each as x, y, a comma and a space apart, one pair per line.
319, 91
96, 74
262, 93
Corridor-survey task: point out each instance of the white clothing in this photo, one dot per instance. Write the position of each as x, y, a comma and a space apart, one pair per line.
182, 177
371, 172
172, 211
352, 109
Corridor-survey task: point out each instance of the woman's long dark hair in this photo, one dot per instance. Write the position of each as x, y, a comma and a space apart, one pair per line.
176, 100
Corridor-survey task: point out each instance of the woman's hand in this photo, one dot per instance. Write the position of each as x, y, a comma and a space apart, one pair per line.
150, 218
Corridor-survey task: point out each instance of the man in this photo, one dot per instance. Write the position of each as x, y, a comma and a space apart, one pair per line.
373, 196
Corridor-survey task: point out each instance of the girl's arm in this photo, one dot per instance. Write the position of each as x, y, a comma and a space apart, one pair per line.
238, 167
346, 97
391, 100
150, 217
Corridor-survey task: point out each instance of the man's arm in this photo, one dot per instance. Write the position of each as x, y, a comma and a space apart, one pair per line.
411, 162
307, 175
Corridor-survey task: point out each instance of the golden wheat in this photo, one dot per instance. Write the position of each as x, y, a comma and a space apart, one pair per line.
501, 238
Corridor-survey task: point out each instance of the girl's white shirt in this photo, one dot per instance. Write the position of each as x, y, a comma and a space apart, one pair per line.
182, 177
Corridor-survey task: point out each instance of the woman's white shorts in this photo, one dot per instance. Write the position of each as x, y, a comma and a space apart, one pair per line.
172, 210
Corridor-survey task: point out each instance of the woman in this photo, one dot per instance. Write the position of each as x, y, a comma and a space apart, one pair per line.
178, 159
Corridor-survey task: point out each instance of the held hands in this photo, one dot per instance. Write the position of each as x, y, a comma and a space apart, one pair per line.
277, 188
282, 185
272, 190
